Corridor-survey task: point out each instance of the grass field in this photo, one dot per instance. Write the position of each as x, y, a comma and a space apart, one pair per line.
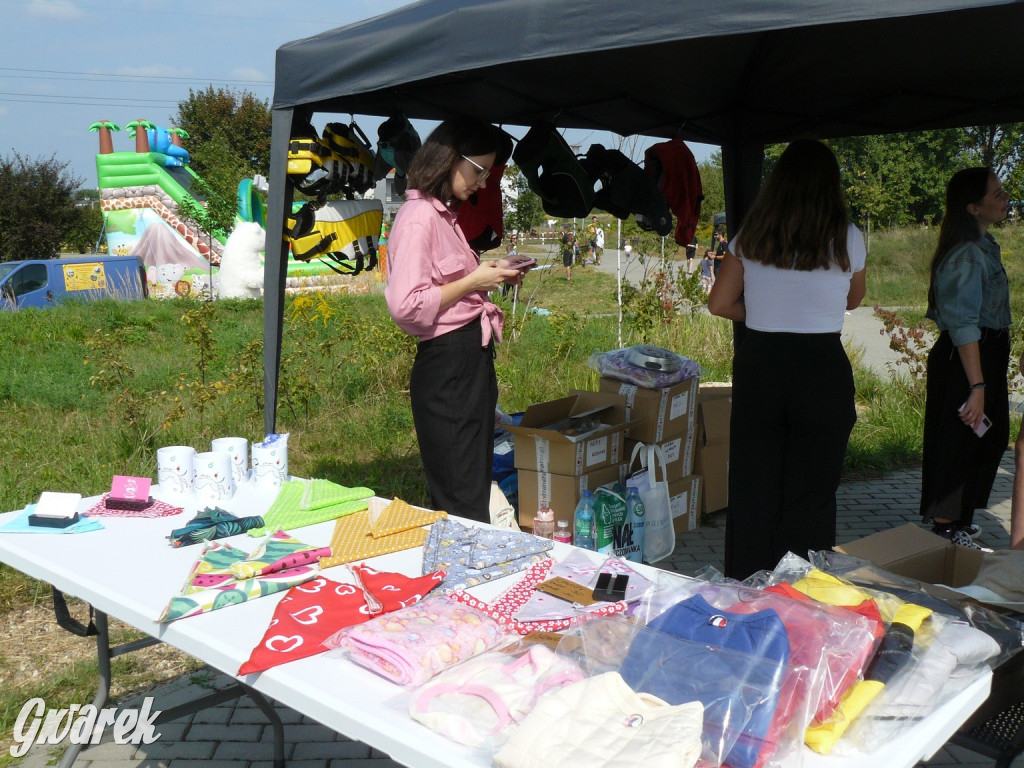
93, 390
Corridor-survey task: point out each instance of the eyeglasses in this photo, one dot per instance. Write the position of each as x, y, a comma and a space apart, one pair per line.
481, 172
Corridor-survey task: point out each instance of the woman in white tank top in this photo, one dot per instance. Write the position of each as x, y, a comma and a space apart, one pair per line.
790, 274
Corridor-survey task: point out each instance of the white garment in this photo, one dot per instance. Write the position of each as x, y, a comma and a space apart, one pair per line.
791, 301
600, 237
602, 722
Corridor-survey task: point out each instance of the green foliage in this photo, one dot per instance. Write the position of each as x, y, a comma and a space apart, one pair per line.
217, 216
229, 137
37, 207
713, 184
522, 206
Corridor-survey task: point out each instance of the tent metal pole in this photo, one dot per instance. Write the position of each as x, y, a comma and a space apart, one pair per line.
275, 262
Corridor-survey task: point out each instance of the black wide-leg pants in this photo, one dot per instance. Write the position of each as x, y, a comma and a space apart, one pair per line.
454, 391
958, 468
792, 414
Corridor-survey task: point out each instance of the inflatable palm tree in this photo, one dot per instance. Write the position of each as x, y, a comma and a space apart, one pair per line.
106, 138
137, 130
177, 134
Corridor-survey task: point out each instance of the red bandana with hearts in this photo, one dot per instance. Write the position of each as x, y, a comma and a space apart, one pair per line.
313, 611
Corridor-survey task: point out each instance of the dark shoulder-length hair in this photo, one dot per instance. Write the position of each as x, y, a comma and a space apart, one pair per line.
959, 225
798, 219
430, 171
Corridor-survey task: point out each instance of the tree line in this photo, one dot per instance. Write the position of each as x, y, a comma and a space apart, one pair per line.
890, 180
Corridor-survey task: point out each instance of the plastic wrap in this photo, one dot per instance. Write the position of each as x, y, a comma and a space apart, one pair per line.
627, 364
478, 702
924, 657
1006, 631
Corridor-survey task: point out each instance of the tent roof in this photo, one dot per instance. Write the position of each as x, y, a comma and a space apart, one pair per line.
750, 71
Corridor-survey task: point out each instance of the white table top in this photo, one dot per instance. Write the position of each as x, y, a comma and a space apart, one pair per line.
129, 571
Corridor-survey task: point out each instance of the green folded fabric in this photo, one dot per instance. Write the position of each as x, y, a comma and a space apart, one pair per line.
307, 502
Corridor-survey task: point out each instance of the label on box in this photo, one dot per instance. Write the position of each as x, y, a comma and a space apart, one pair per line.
679, 504
543, 489
670, 450
567, 590
543, 448
679, 404
629, 392
661, 416
597, 451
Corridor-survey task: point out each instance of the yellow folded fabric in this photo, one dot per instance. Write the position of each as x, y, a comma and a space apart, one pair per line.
821, 737
353, 540
400, 516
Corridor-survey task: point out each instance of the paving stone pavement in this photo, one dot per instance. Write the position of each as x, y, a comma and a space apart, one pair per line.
236, 734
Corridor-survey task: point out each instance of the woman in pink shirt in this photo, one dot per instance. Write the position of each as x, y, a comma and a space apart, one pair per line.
438, 292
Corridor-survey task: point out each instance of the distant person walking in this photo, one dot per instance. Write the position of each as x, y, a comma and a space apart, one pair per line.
691, 254
966, 419
790, 274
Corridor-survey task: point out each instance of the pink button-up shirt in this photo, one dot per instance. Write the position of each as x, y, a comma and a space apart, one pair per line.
426, 249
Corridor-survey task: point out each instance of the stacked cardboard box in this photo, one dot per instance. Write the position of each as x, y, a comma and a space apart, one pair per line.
555, 467
714, 412
666, 418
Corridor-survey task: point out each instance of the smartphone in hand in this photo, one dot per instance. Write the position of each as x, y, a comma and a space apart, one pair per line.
524, 264
983, 425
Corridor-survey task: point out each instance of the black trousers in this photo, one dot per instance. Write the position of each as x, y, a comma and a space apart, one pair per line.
454, 391
958, 468
792, 414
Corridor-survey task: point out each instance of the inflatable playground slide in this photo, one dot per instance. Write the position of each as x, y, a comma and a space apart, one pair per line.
140, 195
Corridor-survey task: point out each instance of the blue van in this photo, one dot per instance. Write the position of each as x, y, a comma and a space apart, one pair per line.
44, 282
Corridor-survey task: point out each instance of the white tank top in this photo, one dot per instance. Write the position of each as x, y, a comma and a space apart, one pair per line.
792, 301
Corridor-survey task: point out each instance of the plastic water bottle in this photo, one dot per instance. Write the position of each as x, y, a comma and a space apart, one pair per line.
635, 519
544, 523
562, 532
583, 523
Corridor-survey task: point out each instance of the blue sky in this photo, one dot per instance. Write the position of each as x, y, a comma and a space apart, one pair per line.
65, 64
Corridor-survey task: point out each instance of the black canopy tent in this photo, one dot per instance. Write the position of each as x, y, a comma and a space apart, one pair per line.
737, 73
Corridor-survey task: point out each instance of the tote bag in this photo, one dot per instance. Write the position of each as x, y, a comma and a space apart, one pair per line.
659, 534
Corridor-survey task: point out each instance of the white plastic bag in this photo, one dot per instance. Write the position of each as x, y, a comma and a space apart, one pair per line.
659, 534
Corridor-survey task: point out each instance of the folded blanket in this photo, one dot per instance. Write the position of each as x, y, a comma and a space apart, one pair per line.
412, 645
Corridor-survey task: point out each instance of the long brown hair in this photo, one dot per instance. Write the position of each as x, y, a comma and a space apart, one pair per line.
798, 219
966, 187
430, 171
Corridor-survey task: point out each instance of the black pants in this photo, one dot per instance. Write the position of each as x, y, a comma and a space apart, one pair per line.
454, 391
792, 414
958, 468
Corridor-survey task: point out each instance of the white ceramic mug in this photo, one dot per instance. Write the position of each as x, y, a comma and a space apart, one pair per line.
175, 469
214, 480
238, 447
270, 464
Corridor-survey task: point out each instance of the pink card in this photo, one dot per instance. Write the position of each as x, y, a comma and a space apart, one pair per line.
130, 488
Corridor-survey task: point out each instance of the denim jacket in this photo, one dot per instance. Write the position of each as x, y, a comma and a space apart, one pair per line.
971, 291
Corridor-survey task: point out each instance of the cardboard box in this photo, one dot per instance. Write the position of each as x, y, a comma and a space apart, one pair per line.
542, 449
713, 465
655, 415
684, 497
714, 417
561, 492
912, 551
677, 452
916, 553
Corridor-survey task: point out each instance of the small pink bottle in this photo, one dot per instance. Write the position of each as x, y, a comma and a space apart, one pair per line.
562, 532
544, 523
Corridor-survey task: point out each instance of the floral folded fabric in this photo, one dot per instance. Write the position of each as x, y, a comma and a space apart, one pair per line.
473, 555
213, 524
308, 502
412, 645
212, 584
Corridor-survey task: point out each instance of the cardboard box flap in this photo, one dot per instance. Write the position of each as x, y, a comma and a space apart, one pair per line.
910, 550
539, 417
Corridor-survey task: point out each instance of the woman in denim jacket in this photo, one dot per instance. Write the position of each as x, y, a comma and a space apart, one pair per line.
966, 423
